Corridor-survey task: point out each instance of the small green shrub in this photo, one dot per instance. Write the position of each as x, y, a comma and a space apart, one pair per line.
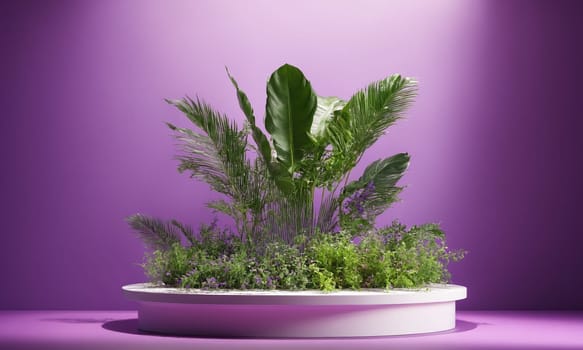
335, 255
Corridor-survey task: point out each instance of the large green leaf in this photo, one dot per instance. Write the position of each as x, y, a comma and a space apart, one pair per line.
279, 174
379, 180
290, 108
324, 113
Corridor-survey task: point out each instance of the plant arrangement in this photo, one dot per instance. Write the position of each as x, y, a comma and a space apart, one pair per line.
299, 221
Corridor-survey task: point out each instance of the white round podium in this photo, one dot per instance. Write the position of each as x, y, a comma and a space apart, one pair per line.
295, 314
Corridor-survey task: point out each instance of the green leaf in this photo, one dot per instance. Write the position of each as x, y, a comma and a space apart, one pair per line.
386, 172
372, 110
383, 175
367, 115
290, 108
243, 100
324, 113
281, 177
258, 135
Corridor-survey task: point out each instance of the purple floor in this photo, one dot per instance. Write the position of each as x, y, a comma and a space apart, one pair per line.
118, 330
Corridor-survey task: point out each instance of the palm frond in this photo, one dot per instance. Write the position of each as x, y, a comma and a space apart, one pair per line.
155, 233
222, 206
372, 110
368, 114
218, 156
228, 141
186, 231
201, 158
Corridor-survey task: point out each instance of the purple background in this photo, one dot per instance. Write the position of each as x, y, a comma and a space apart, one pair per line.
495, 135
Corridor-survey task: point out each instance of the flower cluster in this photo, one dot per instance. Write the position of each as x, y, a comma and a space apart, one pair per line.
355, 204
354, 213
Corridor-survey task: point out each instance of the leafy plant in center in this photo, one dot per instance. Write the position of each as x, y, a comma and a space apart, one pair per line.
311, 146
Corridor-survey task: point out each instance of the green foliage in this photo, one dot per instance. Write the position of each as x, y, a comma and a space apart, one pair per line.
369, 196
418, 255
168, 265
322, 279
154, 232
365, 118
392, 257
281, 266
325, 109
218, 156
313, 143
290, 108
281, 241
337, 255
258, 136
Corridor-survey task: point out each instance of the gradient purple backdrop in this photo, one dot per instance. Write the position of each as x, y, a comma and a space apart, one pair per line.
495, 134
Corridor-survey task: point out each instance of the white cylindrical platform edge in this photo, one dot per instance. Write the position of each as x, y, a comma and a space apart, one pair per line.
295, 314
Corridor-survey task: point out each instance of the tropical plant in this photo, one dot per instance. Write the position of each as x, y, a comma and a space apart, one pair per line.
310, 148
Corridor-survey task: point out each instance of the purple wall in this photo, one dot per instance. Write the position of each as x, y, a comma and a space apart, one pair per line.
494, 136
